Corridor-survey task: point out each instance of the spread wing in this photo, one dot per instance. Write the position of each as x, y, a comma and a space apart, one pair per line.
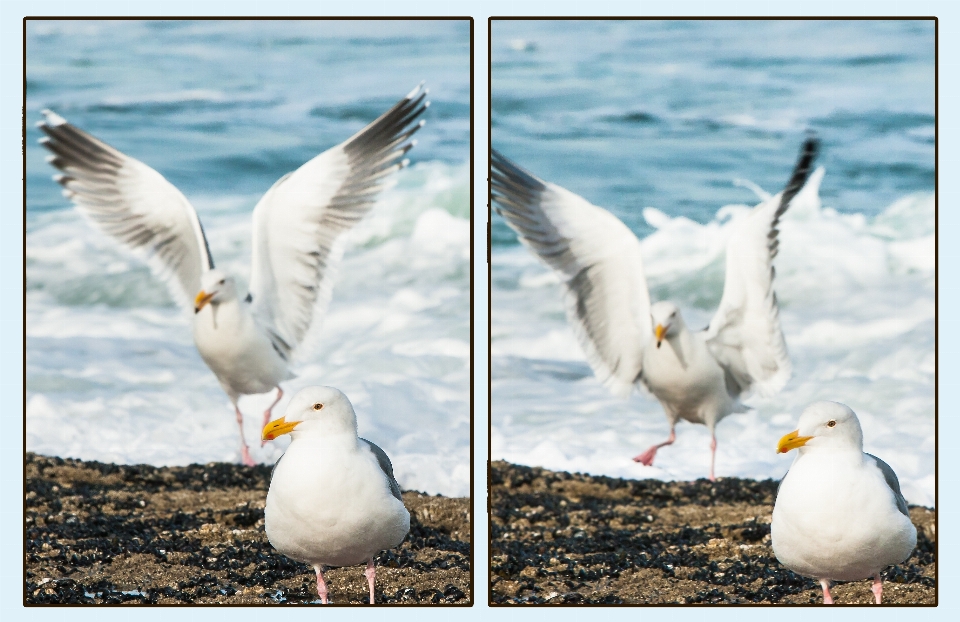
387, 467
131, 202
893, 483
744, 335
598, 259
299, 224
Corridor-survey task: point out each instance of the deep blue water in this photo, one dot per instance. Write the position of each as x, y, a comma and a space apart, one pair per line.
668, 114
230, 106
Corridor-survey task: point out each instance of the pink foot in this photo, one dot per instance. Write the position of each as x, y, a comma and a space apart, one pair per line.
371, 573
646, 458
321, 585
827, 599
877, 588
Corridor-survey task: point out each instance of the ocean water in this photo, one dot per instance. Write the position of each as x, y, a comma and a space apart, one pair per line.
223, 109
678, 128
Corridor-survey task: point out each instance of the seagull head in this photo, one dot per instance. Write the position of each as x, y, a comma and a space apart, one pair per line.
825, 424
666, 321
215, 287
313, 410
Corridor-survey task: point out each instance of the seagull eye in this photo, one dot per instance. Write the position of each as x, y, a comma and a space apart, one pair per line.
222, 281
317, 406
831, 423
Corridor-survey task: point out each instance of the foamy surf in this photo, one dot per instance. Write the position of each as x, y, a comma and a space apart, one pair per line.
857, 308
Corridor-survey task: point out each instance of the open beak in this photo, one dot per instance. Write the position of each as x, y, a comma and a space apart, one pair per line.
277, 427
659, 331
792, 441
201, 301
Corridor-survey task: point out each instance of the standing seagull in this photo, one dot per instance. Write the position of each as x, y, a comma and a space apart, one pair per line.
839, 513
333, 500
696, 376
298, 240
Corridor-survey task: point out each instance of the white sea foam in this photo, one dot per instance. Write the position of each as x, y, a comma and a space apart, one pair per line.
857, 309
112, 373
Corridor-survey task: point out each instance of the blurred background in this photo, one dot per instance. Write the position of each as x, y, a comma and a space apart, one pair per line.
223, 109
675, 126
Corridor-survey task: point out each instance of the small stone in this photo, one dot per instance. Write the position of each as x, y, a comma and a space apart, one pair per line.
510, 588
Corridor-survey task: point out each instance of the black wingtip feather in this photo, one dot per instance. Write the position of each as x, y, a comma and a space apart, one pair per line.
510, 184
801, 171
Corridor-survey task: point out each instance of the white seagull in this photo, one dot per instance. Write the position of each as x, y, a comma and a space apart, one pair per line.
839, 513
697, 376
246, 339
333, 500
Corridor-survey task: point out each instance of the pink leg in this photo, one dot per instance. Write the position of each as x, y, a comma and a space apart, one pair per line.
371, 573
267, 413
244, 450
321, 585
877, 587
648, 456
825, 584
713, 456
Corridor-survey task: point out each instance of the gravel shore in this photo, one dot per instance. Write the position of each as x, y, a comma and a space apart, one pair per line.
106, 533
562, 538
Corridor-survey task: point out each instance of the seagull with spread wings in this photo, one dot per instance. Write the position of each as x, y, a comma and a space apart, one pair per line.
248, 339
697, 376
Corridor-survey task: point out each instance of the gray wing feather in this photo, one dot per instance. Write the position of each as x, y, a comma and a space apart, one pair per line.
130, 202
744, 335
893, 483
274, 468
801, 172
299, 225
596, 256
387, 467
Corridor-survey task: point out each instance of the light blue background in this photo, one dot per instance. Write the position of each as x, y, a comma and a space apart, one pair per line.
11, 293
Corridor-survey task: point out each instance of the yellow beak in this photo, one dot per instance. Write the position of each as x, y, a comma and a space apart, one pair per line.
277, 427
792, 441
201, 301
659, 332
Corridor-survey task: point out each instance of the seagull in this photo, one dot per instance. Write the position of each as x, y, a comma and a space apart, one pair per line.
697, 376
246, 338
333, 500
839, 513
